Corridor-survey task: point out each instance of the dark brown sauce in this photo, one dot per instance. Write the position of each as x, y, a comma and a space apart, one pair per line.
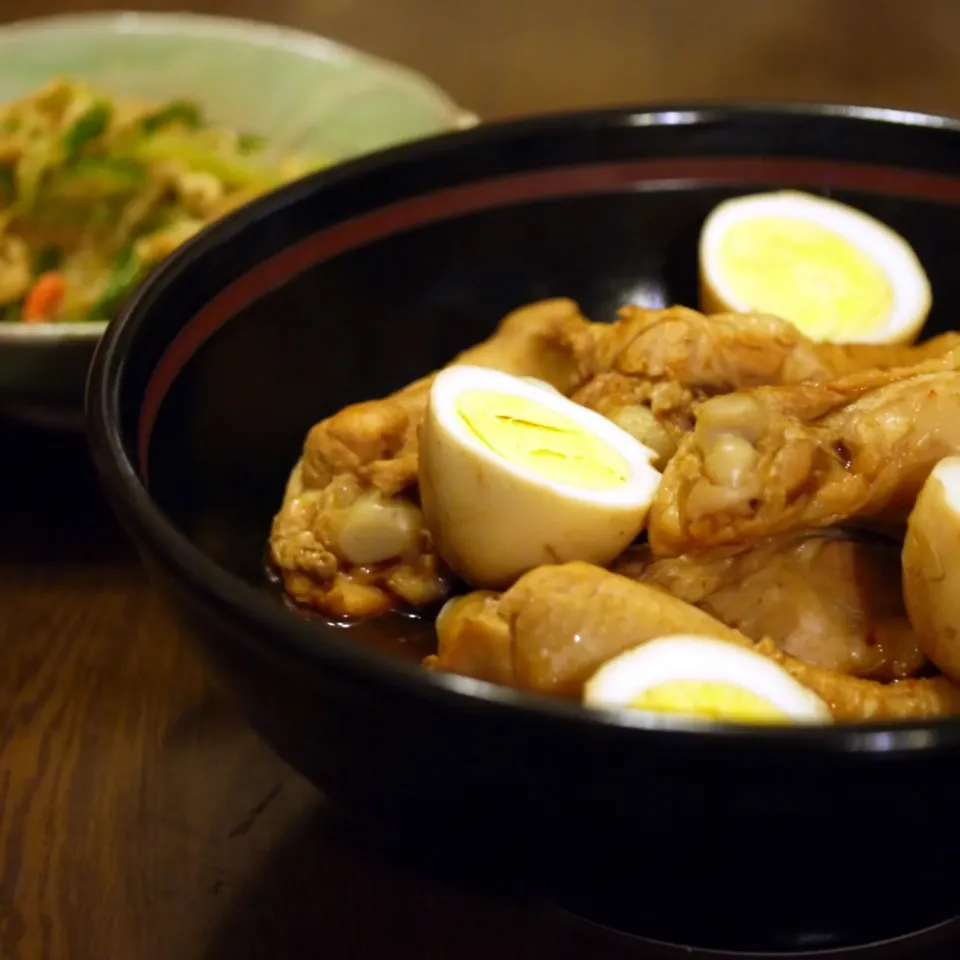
843, 454
403, 632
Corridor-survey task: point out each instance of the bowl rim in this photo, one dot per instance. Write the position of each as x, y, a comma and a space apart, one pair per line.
261, 33
269, 625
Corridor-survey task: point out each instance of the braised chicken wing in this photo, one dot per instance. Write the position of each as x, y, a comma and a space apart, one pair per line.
856, 699
648, 371
830, 598
721, 353
777, 459
557, 625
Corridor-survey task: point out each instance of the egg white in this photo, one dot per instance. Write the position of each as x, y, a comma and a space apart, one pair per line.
622, 679
492, 520
947, 474
910, 287
931, 567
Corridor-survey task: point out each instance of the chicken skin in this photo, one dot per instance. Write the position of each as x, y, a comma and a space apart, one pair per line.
857, 700
648, 371
557, 625
722, 353
830, 598
777, 459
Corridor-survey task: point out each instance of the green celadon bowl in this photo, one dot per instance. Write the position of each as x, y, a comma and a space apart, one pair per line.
304, 93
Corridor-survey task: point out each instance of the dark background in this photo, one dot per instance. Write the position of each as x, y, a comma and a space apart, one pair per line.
504, 57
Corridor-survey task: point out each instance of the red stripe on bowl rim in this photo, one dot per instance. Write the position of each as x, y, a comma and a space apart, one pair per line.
553, 183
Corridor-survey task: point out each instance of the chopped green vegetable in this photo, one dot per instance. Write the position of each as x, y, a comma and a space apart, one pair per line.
91, 124
8, 185
234, 171
95, 178
126, 272
180, 111
10, 312
83, 176
48, 258
248, 143
30, 171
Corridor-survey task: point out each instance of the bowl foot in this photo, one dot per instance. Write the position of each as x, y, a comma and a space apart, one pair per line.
914, 932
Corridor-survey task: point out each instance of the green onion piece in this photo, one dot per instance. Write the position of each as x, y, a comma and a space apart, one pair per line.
94, 178
91, 124
48, 258
8, 185
179, 111
248, 143
233, 171
123, 278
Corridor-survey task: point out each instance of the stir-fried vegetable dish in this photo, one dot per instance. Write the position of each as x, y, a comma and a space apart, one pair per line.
95, 190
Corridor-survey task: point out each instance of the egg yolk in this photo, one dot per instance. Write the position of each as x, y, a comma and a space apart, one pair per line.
535, 437
805, 273
708, 700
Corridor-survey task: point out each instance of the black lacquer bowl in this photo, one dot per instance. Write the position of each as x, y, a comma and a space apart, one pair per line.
351, 283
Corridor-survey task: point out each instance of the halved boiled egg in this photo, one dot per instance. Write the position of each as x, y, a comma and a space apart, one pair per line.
834, 272
704, 678
514, 475
931, 567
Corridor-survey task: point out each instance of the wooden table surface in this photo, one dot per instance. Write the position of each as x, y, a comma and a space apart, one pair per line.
139, 818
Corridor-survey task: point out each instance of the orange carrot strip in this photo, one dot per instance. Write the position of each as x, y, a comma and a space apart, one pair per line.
43, 297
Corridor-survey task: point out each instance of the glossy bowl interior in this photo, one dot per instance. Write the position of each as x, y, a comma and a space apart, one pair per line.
355, 282
321, 98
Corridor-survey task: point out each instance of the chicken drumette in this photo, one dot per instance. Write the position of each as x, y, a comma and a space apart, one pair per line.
777, 459
557, 624
350, 539
831, 598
